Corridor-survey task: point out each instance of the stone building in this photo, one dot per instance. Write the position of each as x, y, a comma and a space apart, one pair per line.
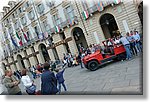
35, 31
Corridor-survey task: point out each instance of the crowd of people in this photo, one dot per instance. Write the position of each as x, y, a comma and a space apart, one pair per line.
50, 81
51, 73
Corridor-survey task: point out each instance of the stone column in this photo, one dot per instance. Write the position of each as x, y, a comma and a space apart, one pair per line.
72, 47
27, 63
18, 66
61, 48
32, 59
40, 58
71, 44
51, 55
13, 67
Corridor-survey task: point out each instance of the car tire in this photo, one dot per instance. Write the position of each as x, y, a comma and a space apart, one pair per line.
93, 65
121, 57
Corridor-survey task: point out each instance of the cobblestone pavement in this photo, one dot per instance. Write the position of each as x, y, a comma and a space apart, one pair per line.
123, 77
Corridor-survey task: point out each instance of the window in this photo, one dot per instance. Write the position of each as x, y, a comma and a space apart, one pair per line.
36, 30
7, 20
28, 35
10, 30
70, 12
40, 8
90, 3
20, 10
31, 15
23, 20
84, 4
13, 15
50, 3
16, 25
27, 4
46, 27
56, 19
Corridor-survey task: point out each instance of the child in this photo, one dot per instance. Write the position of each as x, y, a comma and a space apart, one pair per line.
60, 79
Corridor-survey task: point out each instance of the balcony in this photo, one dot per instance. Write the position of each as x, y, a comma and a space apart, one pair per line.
92, 9
64, 24
21, 14
28, 8
25, 45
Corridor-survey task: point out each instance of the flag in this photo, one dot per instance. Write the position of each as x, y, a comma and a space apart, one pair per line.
46, 35
20, 42
57, 28
17, 35
85, 15
41, 36
25, 36
13, 42
100, 6
117, 1
71, 22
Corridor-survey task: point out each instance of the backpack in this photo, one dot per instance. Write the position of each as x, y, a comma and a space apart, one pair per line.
31, 89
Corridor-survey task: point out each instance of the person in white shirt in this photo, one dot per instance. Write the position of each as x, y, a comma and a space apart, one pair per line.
117, 41
126, 44
28, 83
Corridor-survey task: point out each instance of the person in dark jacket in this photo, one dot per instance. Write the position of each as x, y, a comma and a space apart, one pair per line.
60, 79
49, 81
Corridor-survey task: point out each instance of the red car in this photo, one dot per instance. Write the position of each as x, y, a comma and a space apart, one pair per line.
93, 61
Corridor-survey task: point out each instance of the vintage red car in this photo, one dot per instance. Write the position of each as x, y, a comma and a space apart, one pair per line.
93, 61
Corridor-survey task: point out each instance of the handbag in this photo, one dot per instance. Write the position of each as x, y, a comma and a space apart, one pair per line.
31, 89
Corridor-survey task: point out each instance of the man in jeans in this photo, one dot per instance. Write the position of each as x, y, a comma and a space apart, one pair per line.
131, 39
126, 44
137, 41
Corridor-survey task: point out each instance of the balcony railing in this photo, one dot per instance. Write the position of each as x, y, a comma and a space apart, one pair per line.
92, 9
64, 24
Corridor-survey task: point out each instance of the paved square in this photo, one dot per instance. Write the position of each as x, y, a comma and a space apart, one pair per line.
122, 77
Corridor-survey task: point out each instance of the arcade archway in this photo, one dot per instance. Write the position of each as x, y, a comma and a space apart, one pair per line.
43, 52
79, 38
20, 61
109, 25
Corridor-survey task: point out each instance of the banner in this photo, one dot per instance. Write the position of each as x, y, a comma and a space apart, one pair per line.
13, 42
85, 15
57, 28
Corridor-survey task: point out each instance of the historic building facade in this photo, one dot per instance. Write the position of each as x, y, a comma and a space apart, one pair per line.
36, 31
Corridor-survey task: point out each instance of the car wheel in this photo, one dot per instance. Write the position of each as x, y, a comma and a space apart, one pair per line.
121, 56
93, 65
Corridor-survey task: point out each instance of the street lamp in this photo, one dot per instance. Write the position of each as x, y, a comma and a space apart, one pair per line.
107, 22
